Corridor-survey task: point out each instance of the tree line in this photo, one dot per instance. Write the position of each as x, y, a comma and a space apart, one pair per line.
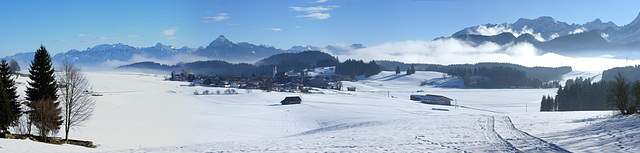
498, 77
621, 94
545, 74
45, 92
352, 68
577, 94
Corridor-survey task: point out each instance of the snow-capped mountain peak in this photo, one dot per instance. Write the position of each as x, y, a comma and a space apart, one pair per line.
304, 48
545, 28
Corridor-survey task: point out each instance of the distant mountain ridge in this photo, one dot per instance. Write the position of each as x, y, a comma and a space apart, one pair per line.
581, 44
219, 49
545, 33
546, 28
284, 61
549, 35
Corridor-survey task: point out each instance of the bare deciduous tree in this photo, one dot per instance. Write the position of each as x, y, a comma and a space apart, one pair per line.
77, 104
46, 116
14, 66
618, 95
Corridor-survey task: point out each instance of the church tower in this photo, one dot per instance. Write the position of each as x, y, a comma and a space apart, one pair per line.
275, 71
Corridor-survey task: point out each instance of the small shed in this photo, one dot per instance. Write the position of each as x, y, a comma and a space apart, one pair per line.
291, 100
351, 88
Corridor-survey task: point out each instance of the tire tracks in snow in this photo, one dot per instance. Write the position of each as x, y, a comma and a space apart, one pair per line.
499, 144
512, 139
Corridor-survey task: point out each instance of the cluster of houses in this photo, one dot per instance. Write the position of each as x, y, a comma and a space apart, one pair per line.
285, 82
280, 81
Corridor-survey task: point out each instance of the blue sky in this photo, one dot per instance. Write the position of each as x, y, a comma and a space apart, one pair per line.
66, 25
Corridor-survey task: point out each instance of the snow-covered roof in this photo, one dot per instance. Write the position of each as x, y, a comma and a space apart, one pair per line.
431, 97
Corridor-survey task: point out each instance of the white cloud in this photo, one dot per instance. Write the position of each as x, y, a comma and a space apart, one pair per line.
275, 29
453, 51
578, 30
316, 16
81, 35
314, 12
101, 39
320, 1
110, 64
297, 26
220, 17
172, 37
554, 36
605, 36
492, 31
312, 9
169, 32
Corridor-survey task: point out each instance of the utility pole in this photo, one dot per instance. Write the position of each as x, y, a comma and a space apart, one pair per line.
456, 103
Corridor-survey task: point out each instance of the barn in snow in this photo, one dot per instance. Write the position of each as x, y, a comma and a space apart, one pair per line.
291, 100
432, 99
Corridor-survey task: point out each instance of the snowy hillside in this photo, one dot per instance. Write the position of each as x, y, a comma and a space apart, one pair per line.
143, 113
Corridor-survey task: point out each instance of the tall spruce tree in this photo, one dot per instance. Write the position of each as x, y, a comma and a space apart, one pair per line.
397, 69
42, 88
413, 70
43, 83
6, 117
10, 89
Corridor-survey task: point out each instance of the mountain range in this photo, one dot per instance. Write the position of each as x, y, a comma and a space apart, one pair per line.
550, 35
546, 28
219, 49
285, 62
593, 38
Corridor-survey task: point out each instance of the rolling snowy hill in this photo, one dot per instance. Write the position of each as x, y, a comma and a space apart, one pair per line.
142, 113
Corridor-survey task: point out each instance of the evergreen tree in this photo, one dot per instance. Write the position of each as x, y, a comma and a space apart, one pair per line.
42, 90
6, 117
543, 103
413, 70
10, 89
398, 70
635, 95
42, 84
408, 71
372, 69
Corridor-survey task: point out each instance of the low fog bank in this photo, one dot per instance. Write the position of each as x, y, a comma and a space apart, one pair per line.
111, 65
454, 51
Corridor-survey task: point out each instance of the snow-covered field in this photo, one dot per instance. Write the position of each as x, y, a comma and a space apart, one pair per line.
143, 113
